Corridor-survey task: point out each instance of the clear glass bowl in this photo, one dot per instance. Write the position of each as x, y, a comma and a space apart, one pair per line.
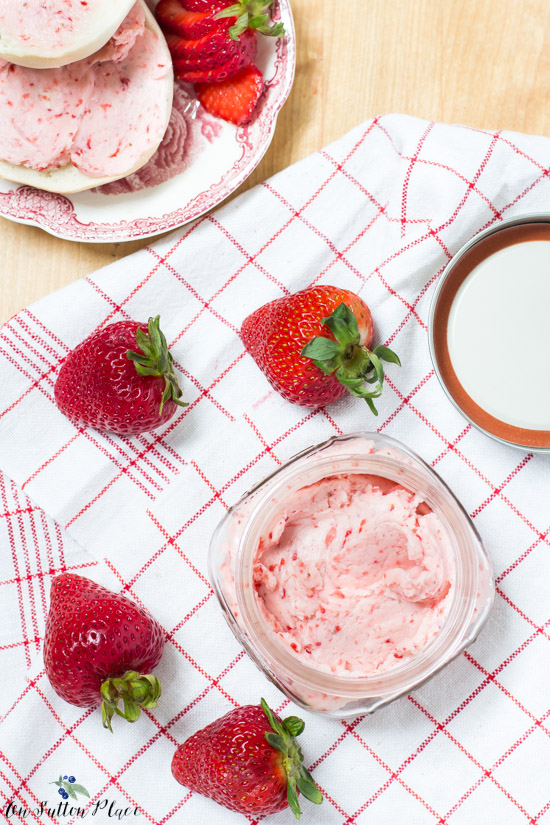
234, 546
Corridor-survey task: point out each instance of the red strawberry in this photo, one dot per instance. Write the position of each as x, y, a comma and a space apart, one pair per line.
233, 99
216, 45
104, 384
205, 5
248, 13
172, 17
248, 761
220, 65
97, 646
314, 346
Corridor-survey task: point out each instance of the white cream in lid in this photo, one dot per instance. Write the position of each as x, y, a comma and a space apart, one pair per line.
498, 334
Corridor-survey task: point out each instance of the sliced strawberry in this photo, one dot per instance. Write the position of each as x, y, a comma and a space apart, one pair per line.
197, 72
214, 43
205, 5
172, 17
225, 62
233, 100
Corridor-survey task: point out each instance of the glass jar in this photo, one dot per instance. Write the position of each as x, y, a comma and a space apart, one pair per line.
236, 541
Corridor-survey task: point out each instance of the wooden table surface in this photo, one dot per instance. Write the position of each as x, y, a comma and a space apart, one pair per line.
485, 63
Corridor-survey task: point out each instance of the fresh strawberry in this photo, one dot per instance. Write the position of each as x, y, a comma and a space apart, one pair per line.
103, 383
172, 17
213, 45
314, 346
233, 99
249, 761
209, 68
205, 5
253, 14
100, 648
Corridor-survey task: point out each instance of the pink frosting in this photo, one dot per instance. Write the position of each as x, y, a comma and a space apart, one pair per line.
47, 24
355, 575
101, 113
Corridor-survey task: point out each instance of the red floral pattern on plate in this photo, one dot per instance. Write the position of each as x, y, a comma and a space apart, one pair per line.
69, 216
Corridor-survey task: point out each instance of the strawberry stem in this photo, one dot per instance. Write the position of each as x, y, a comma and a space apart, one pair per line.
298, 777
353, 364
251, 14
135, 690
155, 359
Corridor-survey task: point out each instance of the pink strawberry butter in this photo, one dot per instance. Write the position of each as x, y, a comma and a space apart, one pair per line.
45, 25
354, 576
99, 113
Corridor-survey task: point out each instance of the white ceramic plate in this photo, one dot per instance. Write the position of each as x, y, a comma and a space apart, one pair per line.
202, 160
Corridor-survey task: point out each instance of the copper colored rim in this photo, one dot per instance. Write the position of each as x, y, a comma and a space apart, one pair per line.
455, 275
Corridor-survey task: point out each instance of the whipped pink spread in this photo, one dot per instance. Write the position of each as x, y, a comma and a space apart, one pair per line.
102, 113
47, 25
355, 575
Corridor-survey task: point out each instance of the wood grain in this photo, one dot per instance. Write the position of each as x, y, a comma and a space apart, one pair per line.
485, 63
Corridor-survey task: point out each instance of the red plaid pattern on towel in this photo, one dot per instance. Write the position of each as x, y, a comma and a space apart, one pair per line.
379, 212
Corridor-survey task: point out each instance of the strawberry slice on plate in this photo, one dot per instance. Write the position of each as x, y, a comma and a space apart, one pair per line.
233, 99
192, 25
205, 5
223, 62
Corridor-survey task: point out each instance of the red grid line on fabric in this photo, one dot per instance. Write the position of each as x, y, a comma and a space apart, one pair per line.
404, 401
408, 174
214, 498
147, 278
393, 777
52, 571
494, 493
163, 730
250, 259
486, 772
521, 613
33, 598
383, 208
451, 447
471, 184
52, 458
16, 568
81, 431
544, 536
170, 637
338, 256
511, 505
9, 799
9, 513
261, 439
69, 731
29, 687
490, 678
206, 304
414, 305
33, 383
508, 693
39, 356
170, 540
38, 323
31, 640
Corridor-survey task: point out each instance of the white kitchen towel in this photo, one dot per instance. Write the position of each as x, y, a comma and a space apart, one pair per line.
380, 212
